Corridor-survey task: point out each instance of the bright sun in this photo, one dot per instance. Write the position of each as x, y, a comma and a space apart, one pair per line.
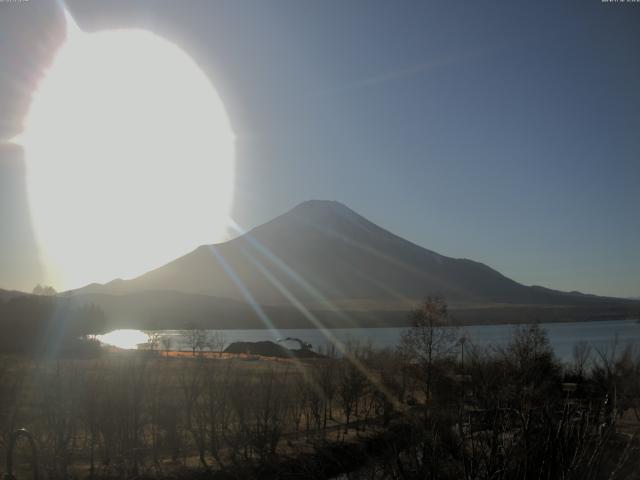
130, 157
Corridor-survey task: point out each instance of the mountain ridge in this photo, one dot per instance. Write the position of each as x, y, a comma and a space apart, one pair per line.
321, 251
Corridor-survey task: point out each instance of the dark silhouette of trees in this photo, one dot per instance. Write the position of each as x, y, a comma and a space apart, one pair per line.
167, 343
44, 290
197, 340
429, 341
44, 323
506, 413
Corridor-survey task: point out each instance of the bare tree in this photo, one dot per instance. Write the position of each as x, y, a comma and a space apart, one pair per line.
267, 412
430, 339
197, 340
216, 408
192, 385
351, 387
531, 363
153, 340
327, 380
581, 357
167, 342
216, 342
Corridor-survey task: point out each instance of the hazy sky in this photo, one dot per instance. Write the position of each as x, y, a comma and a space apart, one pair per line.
504, 132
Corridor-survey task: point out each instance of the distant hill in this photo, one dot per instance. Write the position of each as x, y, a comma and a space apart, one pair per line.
7, 294
323, 255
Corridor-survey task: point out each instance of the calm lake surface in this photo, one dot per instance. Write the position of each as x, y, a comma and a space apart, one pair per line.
562, 336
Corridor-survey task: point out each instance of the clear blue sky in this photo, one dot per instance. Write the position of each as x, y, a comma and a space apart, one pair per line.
505, 132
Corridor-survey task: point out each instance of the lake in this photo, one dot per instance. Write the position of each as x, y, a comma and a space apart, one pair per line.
562, 336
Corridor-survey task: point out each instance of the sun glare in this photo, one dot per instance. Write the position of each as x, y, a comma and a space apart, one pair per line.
130, 157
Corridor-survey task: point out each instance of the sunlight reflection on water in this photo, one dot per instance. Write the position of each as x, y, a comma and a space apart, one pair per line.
127, 339
562, 336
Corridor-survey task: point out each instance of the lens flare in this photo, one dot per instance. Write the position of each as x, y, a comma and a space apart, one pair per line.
130, 157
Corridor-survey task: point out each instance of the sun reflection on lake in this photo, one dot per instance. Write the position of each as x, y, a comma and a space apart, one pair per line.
126, 339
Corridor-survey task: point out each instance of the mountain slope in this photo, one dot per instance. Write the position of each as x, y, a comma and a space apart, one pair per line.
9, 294
321, 251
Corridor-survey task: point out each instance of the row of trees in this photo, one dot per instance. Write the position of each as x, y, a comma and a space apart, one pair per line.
199, 341
37, 324
515, 411
128, 415
436, 407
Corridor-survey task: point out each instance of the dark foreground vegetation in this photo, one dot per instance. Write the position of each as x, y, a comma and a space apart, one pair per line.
434, 407
46, 325
270, 349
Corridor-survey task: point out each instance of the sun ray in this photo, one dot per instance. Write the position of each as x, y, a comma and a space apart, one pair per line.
317, 323
255, 306
72, 27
